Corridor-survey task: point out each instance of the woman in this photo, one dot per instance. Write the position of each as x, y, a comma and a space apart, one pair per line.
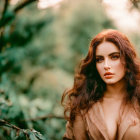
104, 102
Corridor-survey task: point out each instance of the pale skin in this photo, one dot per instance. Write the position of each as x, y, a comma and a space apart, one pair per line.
112, 71
108, 60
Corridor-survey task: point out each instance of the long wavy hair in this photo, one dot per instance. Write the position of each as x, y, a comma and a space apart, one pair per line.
88, 87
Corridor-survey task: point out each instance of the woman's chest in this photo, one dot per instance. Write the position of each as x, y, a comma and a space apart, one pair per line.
111, 125
111, 116
111, 122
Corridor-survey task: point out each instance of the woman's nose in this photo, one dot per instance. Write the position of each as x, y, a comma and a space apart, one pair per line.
106, 65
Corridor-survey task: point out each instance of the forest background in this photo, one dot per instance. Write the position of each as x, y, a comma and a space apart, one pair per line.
39, 52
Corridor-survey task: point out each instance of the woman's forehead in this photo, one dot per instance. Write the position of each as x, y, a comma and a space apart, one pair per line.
106, 48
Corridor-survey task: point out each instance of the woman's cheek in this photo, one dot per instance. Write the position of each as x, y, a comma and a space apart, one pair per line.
99, 68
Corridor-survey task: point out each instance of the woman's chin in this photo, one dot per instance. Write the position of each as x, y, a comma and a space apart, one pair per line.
110, 82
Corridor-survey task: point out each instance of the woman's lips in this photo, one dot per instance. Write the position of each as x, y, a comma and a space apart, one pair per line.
108, 75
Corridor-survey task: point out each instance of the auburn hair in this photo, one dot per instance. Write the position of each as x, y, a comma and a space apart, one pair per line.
88, 86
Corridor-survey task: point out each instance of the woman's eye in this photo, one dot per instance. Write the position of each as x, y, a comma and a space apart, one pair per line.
114, 57
99, 60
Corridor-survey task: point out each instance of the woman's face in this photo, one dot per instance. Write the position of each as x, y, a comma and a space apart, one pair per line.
108, 63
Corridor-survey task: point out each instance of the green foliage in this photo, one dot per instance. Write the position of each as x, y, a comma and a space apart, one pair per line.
8, 17
39, 50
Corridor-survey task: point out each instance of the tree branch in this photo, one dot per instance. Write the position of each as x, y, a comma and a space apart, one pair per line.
5, 20
5, 123
5, 7
18, 130
135, 3
22, 5
45, 117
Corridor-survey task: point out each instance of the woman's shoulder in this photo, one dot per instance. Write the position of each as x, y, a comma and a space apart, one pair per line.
136, 107
92, 110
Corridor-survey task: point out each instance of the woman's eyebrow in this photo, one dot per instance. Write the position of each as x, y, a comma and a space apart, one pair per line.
99, 56
114, 53
109, 54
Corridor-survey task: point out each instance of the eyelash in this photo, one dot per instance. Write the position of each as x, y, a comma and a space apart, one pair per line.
114, 57
98, 60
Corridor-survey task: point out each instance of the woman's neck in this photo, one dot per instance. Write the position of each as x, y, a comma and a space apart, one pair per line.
115, 91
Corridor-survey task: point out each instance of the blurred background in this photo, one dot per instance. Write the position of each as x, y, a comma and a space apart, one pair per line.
41, 45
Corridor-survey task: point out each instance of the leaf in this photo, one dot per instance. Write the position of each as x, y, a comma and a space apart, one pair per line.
32, 136
7, 18
37, 134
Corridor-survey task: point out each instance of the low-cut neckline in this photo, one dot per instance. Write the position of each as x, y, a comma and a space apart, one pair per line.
102, 113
